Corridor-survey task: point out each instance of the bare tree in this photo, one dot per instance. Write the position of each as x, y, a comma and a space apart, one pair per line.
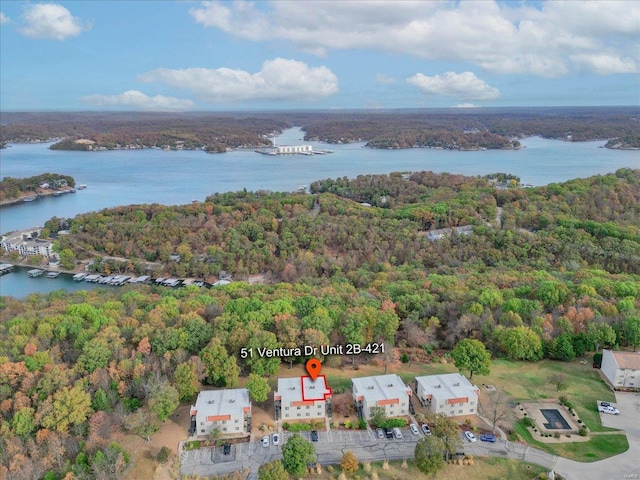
498, 407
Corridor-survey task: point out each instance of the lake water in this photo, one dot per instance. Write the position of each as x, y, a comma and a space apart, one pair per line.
123, 177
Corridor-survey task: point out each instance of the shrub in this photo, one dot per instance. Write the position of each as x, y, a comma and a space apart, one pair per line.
362, 424
584, 431
563, 399
299, 427
163, 455
556, 435
349, 463
527, 422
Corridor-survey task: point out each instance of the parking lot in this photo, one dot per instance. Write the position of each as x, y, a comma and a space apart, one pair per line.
329, 449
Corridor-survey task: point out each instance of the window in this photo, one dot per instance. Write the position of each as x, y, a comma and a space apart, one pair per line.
308, 414
202, 431
298, 408
471, 410
286, 408
201, 423
472, 402
459, 411
237, 421
299, 414
224, 429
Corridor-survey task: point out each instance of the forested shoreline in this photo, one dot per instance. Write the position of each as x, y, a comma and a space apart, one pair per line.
453, 129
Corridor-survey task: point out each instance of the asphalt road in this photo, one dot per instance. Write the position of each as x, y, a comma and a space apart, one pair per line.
332, 444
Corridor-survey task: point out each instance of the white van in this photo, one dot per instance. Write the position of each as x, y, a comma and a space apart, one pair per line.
397, 432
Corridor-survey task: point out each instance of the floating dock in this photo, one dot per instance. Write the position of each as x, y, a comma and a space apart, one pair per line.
53, 274
6, 268
35, 273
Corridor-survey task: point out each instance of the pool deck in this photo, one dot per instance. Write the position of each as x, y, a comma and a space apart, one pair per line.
534, 412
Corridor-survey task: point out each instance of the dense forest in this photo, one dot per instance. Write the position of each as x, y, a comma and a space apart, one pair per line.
292, 236
558, 277
458, 129
11, 188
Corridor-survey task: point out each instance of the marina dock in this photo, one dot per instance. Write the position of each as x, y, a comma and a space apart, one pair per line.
6, 268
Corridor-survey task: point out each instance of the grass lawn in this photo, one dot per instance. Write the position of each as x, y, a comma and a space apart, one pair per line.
598, 448
528, 381
484, 468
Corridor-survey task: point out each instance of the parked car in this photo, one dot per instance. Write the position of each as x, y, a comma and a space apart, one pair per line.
275, 439
389, 433
380, 433
488, 437
397, 433
414, 429
265, 441
470, 436
611, 410
226, 449
425, 429
314, 435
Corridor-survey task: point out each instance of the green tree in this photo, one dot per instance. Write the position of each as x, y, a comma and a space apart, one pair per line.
186, 379
22, 423
631, 330
272, 471
429, 454
71, 406
263, 365
296, 454
471, 354
222, 370
599, 334
520, 343
101, 401
258, 388
164, 399
561, 347
67, 258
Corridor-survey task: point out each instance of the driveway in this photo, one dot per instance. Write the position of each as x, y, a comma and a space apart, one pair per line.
625, 466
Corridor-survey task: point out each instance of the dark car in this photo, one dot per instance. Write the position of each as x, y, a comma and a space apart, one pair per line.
314, 436
226, 449
388, 433
488, 437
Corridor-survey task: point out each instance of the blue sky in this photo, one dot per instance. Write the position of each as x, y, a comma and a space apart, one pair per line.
238, 55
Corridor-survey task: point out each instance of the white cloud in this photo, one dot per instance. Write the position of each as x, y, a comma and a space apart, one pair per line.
499, 37
138, 100
382, 78
279, 79
50, 20
4, 19
605, 64
463, 85
465, 105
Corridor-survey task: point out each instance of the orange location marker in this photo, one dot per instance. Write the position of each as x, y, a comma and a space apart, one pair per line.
313, 367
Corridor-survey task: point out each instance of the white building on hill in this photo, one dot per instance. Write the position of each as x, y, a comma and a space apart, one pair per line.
451, 394
622, 369
228, 410
386, 391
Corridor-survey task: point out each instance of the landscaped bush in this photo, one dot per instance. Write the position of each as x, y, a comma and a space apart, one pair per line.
362, 424
392, 423
298, 427
556, 435
584, 431
527, 422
